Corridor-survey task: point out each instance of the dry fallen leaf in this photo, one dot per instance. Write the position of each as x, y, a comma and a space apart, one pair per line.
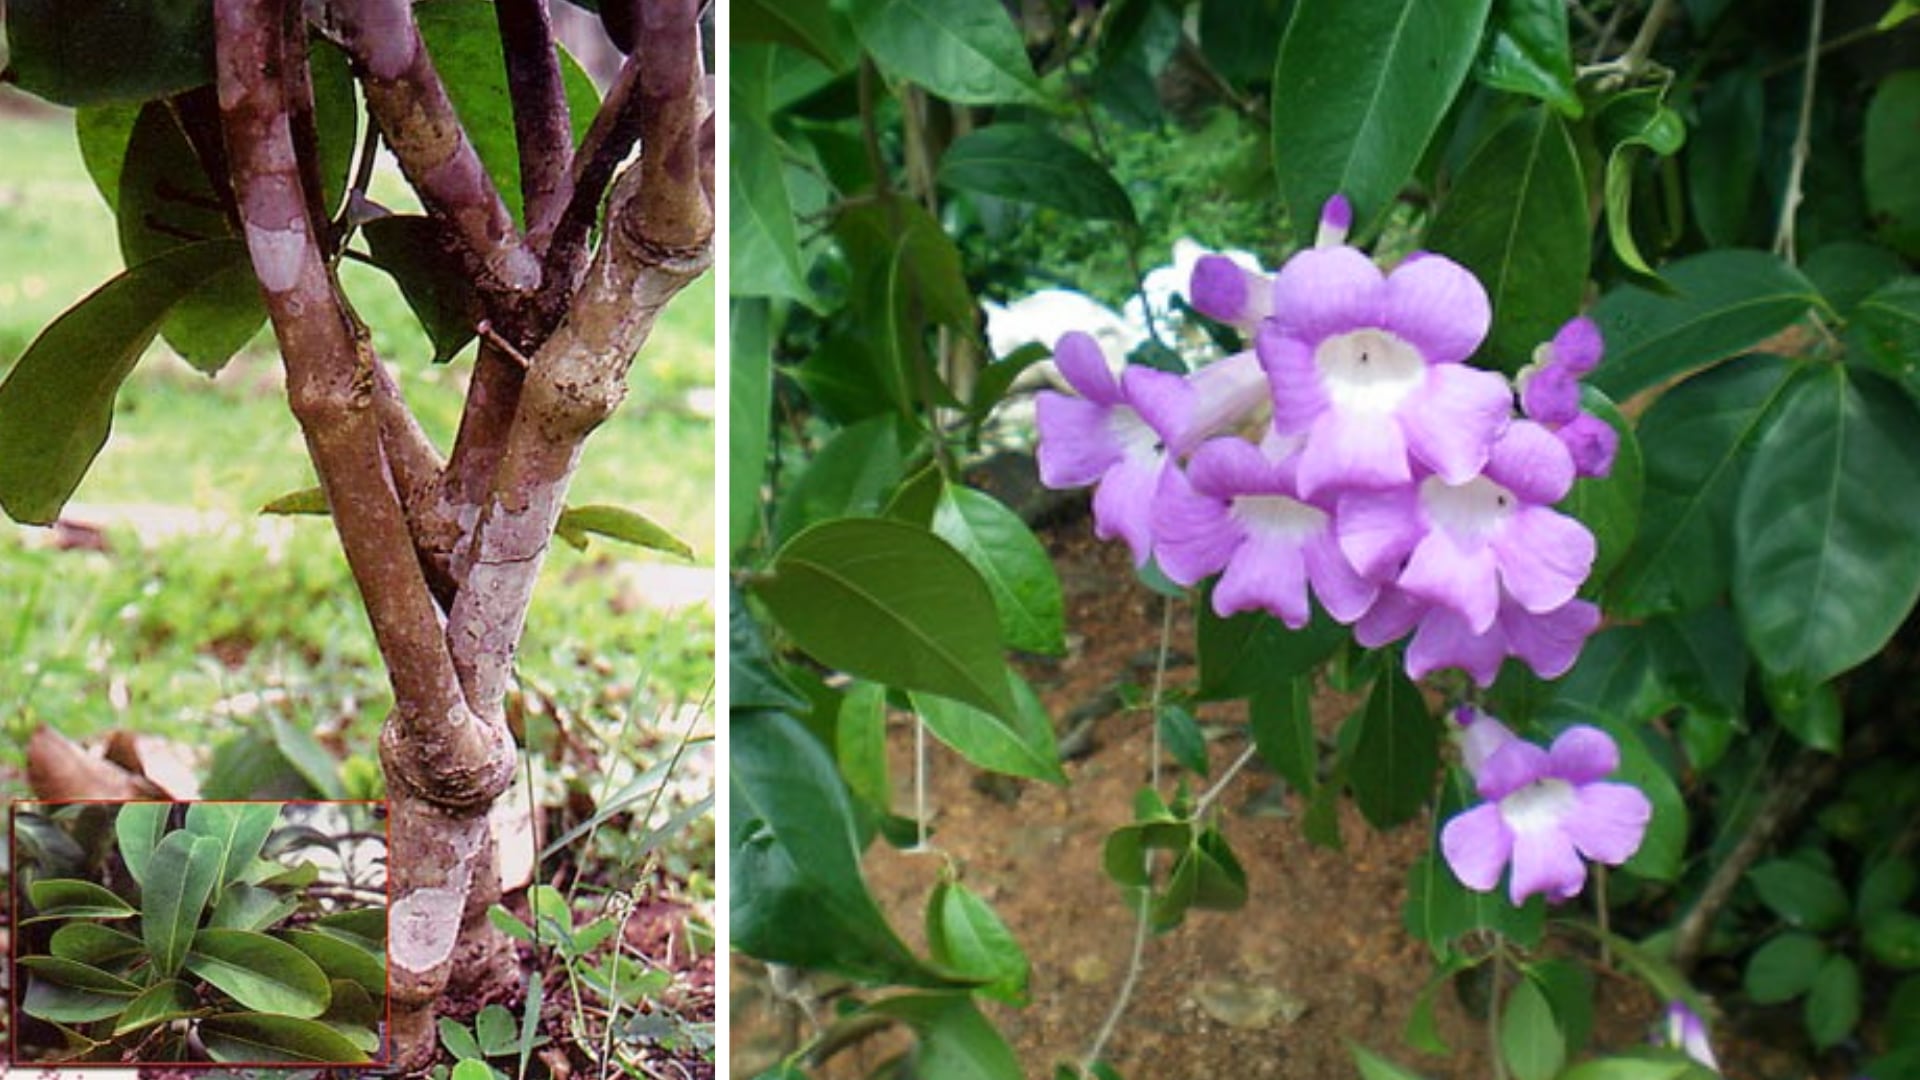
58, 770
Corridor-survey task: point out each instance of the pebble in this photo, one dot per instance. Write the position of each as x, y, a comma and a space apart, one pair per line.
1247, 1006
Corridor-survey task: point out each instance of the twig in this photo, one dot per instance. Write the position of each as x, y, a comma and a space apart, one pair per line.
542, 124
1783, 237
1219, 787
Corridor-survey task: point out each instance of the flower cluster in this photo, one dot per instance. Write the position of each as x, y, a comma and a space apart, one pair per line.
1544, 810
1351, 456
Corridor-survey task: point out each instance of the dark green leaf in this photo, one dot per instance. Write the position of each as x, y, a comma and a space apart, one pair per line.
90, 943
796, 892
460, 1042
1396, 752
1281, 720
365, 924
1887, 885
183, 873
1784, 967
240, 828
875, 233
1440, 910
73, 899
1833, 1002
341, 959
1517, 217
618, 523
1356, 120
1641, 1065
163, 1001
336, 119
1181, 737
411, 248
1251, 652
1846, 272
762, 240
1530, 1040
1814, 716
103, 131
304, 754
967, 51
260, 972
85, 52
1892, 159
1723, 303
1027, 164
851, 476
1886, 329
860, 743
750, 414
808, 25
1696, 441
1893, 938
1011, 560
57, 404
495, 1030
1823, 568
1724, 163
1609, 506
1527, 53
1374, 1067
259, 1037
964, 934
1804, 896
138, 826
77, 975
1568, 985
249, 907
66, 1005
893, 603
1018, 743
752, 679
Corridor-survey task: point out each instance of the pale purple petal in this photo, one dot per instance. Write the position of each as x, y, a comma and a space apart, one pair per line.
1477, 845
1578, 345
1227, 467
1164, 400
1611, 822
1266, 573
1194, 535
1509, 768
1444, 640
1123, 503
1378, 529
1325, 291
1544, 861
1583, 754
1392, 615
1438, 306
1551, 394
1230, 293
1342, 591
1592, 442
1076, 444
1079, 358
1463, 578
1348, 453
1453, 420
1225, 395
1549, 643
1299, 392
1544, 557
1480, 736
1530, 462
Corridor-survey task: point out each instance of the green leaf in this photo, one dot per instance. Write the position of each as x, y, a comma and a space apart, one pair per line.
1806, 897
1517, 217
183, 873
77, 975
1833, 1002
66, 1005
889, 602
163, 1001
860, 744
1527, 53
85, 52
1629, 123
138, 826
260, 972
305, 501
1182, 738
1847, 271
1020, 742
1530, 1039
56, 405
249, 907
1439, 910
1784, 967
1696, 442
341, 959
956, 1042
850, 476
1026, 164
1823, 568
241, 830
1247, 653
412, 250
1723, 166
90, 943
1885, 329
1609, 506
1012, 562
1893, 938
1722, 304
1568, 985
1892, 155
1396, 752
103, 131
967, 51
1814, 716
618, 523
1886, 886
807, 25
1641, 1065
796, 892
763, 244
1374, 1067
260, 1037
472, 1069
1281, 721
336, 119
168, 201
753, 682
530, 1021
964, 934
68, 898
495, 1030
750, 415
463, 38
1357, 119
365, 924
461, 1044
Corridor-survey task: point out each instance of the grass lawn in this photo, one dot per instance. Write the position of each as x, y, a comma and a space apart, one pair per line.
234, 624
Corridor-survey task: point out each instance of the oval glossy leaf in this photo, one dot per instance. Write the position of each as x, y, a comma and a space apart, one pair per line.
1824, 564
967, 51
240, 829
893, 603
618, 523
1396, 753
1833, 1002
1012, 562
56, 406
965, 934
1530, 1039
1802, 895
1893, 938
60, 49
1528, 53
1723, 303
750, 412
366, 924
1892, 158
259, 972
69, 898
1356, 119
409, 247
103, 131
248, 907
1027, 164
796, 892
183, 873
169, 999
1021, 743
860, 744
851, 475
1610, 506
1695, 443
91, 943
878, 232
68, 1005
258, 1037
1885, 329
955, 1041
341, 959
139, 826
807, 25
78, 975
1517, 217
1628, 124
1784, 967
1246, 654
1723, 165
763, 241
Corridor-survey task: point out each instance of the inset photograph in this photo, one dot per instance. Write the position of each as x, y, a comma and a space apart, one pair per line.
212, 932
